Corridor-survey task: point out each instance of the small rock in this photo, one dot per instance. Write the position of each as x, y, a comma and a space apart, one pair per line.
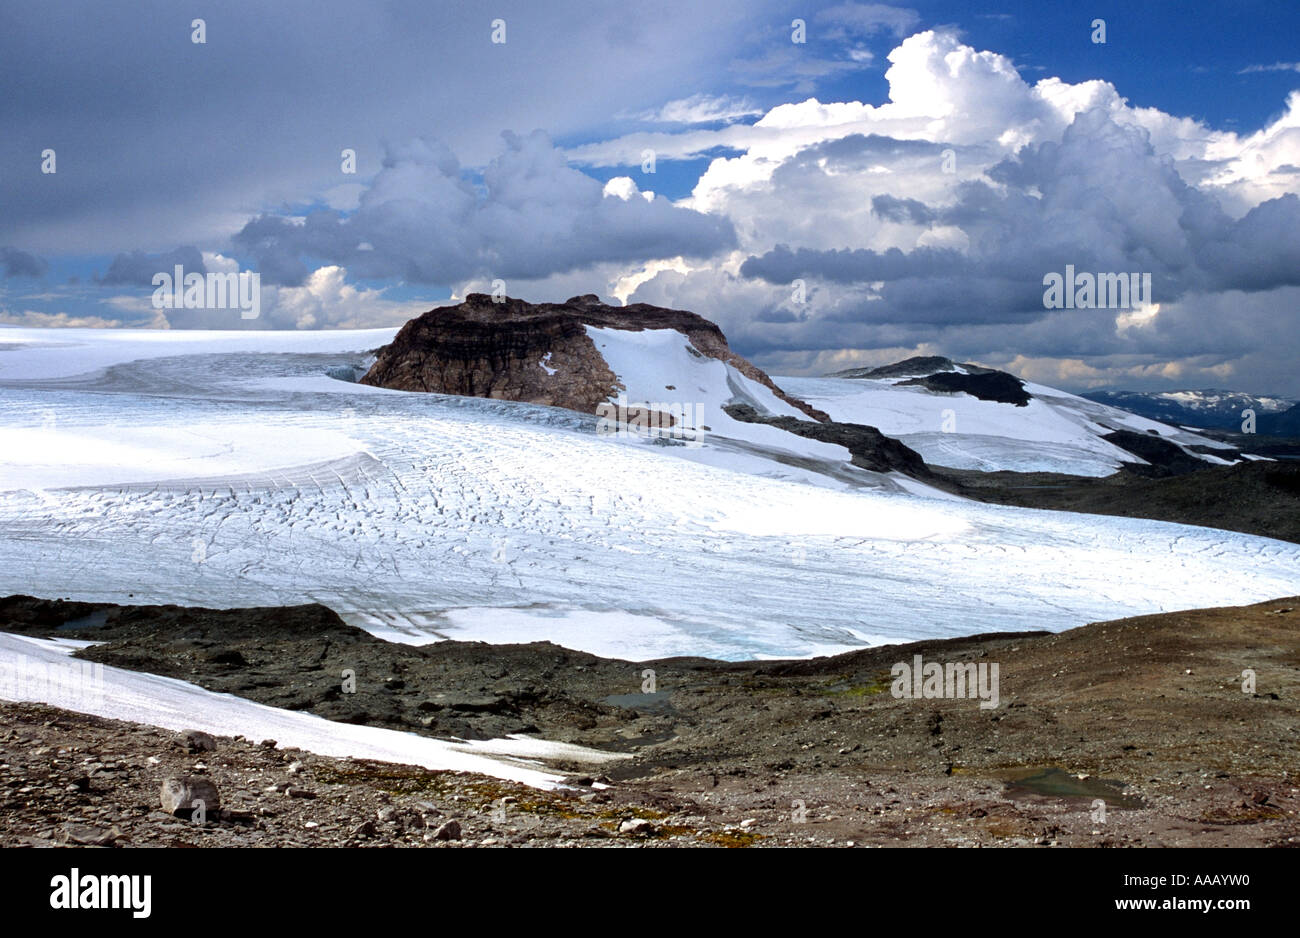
88, 836
180, 794
636, 826
198, 741
450, 830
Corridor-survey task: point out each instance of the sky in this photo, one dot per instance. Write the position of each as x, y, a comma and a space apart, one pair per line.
835, 184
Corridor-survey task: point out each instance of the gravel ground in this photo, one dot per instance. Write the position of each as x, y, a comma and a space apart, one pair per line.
1131, 732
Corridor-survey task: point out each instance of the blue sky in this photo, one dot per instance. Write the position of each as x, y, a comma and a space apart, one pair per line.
1172, 148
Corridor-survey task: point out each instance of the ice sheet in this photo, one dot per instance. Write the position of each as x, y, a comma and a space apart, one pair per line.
421, 516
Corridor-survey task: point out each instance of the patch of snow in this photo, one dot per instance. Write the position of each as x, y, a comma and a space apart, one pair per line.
33, 669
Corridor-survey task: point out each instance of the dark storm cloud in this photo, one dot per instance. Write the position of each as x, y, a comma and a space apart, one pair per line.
138, 268
16, 263
535, 215
894, 209
1260, 251
781, 265
161, 142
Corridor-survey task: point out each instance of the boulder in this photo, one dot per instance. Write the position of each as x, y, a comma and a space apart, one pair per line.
180, 795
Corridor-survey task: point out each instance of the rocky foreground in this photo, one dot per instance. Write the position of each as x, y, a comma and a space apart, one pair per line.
1145, 716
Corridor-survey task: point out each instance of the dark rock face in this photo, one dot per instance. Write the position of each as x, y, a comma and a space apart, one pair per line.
871, 449
917, 365
535, 353
1260, 498
1165, 458
936, 373
990, 386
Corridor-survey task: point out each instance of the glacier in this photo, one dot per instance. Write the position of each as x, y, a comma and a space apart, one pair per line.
229, 469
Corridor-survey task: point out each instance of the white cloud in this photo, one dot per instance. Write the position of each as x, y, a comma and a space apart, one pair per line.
702, 109
36, 318
625, 187
1044, 173
327, 299
867, 19
1275, 67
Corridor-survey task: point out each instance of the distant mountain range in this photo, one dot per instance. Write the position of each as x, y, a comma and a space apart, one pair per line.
1212, 409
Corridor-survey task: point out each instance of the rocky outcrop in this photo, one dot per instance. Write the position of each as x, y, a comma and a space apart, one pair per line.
537, 353
1163, 457
997, 386
936, 373
909, 367
871, 449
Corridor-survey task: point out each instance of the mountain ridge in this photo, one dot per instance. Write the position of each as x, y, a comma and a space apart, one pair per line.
540, 353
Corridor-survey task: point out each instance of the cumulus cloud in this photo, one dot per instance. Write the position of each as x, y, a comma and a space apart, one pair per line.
1101, 199
422, 220
920, 222
324, 299
929, 220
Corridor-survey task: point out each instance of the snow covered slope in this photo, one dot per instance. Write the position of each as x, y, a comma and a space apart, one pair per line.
1055, 432
422, 516
659, 367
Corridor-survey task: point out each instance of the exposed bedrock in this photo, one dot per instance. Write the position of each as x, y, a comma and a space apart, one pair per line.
538, 353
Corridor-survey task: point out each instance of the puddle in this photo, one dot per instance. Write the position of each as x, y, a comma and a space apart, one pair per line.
93, 621
634, 744
651, 703
1055, 782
